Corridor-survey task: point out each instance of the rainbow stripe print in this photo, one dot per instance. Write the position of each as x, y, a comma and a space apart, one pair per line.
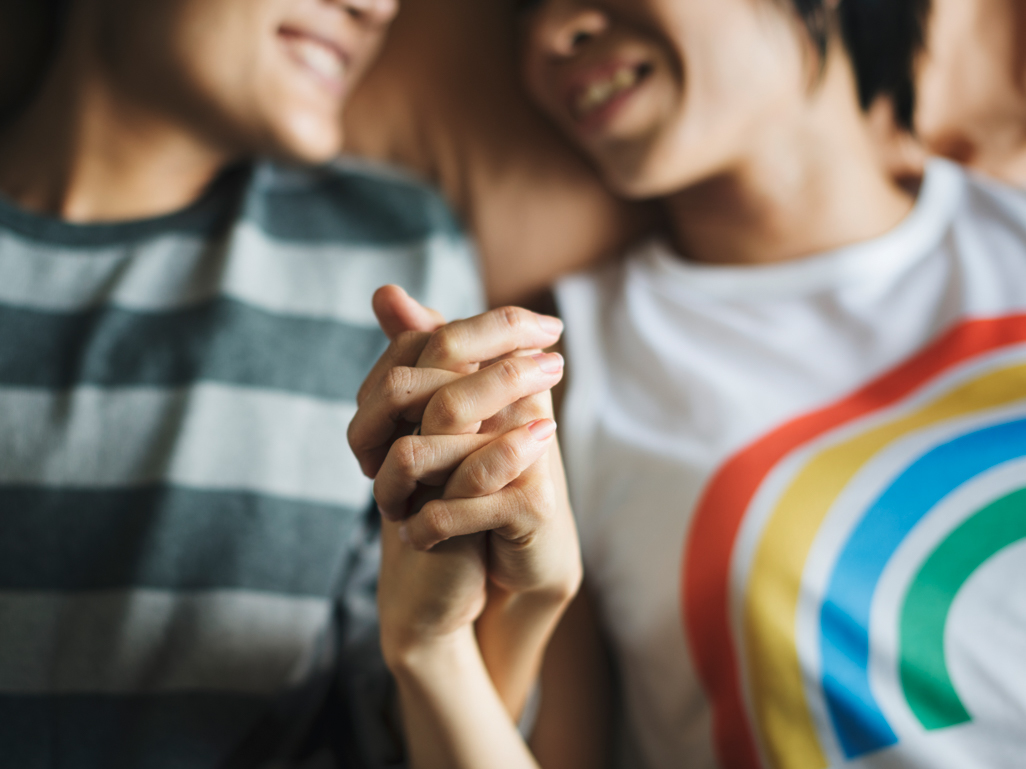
849, 590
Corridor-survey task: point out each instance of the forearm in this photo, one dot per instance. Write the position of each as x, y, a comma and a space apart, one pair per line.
512, 634
515, 628
452, 714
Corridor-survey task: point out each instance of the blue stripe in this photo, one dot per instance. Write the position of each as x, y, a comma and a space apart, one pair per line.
223, 341
171, 538
844, 620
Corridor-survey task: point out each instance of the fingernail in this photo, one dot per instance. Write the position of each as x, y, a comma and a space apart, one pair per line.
542, 430
404, 534
550, 363
550, 325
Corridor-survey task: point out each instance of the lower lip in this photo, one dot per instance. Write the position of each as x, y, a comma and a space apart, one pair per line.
600, 118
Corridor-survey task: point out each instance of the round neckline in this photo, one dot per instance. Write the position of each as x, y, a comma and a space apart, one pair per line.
200, 217
919, 233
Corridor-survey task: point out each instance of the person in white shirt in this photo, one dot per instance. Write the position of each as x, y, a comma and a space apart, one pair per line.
795, 425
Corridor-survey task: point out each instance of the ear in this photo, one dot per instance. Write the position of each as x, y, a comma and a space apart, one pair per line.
398, 312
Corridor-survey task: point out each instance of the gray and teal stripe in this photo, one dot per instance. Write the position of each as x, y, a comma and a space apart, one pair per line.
180, 513
169, 538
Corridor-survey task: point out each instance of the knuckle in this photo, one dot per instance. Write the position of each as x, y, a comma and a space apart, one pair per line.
511, 317
445, 410
530, 409
478, 480
445, 344
436, 523
511, 373
397, 383
534, 501
509, 457
408, 455
381, 495
355, 439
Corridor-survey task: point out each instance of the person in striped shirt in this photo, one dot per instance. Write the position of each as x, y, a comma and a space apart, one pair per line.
186, 567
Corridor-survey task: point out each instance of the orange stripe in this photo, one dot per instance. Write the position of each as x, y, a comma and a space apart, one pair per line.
717, 521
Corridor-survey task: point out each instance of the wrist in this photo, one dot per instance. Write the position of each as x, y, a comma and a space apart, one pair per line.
411, 656
553, 586
542, 601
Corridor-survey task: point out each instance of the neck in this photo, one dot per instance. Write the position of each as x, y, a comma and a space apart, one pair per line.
84, 152
1005, 156
807, 185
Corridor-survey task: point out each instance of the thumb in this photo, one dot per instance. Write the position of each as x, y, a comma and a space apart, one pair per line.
398, 312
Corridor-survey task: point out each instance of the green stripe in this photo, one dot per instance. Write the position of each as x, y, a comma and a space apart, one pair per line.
200, 731
221, 341
925, 678
350, 209
170, 538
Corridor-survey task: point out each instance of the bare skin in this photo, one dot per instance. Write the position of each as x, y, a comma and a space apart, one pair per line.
101, 142
479, 546
775, 205
484, 460
446, 100
972, 86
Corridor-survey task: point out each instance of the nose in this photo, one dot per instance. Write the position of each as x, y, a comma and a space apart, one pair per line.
562, 29
373, 12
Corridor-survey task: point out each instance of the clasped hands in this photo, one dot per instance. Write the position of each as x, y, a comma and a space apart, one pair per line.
455, 426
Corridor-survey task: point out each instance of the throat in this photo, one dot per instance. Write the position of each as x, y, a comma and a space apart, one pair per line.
80, 155
724, 221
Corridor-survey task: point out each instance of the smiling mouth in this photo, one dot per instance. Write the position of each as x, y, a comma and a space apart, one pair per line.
320, 57
601, 93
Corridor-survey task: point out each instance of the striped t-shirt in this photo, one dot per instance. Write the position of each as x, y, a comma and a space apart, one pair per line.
179, 509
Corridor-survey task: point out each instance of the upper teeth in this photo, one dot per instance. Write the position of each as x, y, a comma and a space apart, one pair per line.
600, 92
320, 58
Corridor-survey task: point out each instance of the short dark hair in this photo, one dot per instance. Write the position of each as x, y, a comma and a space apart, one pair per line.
883, 38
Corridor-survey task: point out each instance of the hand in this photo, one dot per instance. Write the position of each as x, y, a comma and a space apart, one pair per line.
507, 477
410, 384
425, 598
484, 446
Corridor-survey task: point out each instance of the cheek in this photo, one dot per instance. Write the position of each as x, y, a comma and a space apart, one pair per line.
536, 81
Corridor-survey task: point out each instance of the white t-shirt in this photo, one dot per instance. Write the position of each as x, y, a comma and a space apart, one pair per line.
801, 491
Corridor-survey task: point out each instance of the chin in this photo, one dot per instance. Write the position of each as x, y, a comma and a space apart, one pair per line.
632, 180
650, 175
309, 139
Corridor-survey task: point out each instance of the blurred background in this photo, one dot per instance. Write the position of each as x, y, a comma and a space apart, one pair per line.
445, 101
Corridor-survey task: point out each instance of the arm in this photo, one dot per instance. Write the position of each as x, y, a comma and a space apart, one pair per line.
453, 715
535, 567
575, 720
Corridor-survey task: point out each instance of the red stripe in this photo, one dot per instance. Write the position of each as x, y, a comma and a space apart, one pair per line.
708, 548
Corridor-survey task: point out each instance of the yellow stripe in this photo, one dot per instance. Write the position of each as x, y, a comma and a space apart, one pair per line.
774, 670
